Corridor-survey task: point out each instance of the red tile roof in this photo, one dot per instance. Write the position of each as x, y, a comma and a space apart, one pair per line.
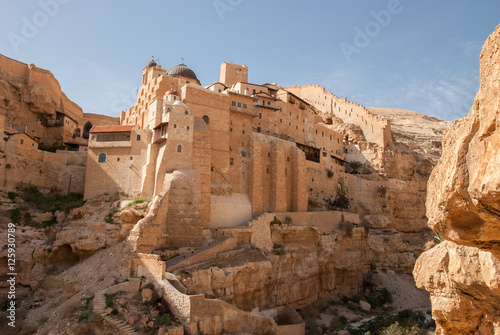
111, 129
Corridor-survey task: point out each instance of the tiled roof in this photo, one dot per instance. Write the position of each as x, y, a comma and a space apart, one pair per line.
111, 129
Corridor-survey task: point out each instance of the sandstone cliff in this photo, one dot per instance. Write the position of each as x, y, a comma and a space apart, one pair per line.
32, 100
463, 206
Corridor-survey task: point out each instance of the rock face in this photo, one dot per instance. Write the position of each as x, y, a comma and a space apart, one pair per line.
421, 133
43, 253
303, 266
463, 206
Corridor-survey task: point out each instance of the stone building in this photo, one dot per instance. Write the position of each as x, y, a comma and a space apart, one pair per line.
251, 147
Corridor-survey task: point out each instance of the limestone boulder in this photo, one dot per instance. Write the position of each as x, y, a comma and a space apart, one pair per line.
365, 306
463, 202
147, 294
463, 206
464, 283
44, 217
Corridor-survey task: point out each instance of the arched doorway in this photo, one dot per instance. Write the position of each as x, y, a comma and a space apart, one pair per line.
86, 128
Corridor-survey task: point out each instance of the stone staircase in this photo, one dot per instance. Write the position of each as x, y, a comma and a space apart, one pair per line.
207, 252
100, 304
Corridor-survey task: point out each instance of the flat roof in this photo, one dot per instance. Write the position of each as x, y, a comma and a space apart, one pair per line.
111, 129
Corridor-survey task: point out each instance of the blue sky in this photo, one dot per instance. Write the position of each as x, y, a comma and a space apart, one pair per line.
417, 55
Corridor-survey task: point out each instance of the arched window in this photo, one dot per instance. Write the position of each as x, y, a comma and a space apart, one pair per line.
186, 112
179, 148
102, 158
206, 119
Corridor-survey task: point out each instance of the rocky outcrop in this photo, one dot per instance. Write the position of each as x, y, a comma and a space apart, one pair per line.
78, 235
463, 206
303, 266
29, 94
421, 133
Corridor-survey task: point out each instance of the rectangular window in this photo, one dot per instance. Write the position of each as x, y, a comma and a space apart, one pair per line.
239, 104
138, 137
233, 103
245, 106
231, 162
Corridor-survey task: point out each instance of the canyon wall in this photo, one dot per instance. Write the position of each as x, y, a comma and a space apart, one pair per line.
463, 206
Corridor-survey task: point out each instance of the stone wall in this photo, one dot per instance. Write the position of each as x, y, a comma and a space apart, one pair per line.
122, 170
63, 170
375, 129
230, 211
277, 175
298, 265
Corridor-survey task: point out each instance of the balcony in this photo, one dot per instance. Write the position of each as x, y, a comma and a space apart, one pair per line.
252, 112
263, 105
110, 140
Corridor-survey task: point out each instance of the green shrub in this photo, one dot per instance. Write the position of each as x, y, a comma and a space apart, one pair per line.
288, 220
405, 322
15, 215
341, 201
329, 173
12, 195
150, 286
53, 203
85, 316
397, 329
163, 320
27, 218
109, 300
136, 202
438, 238
49, 223
275, 222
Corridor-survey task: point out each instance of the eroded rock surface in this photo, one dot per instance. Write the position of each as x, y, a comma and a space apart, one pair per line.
463, 206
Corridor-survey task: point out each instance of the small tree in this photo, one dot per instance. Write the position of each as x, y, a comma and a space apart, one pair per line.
355, 166
341, 200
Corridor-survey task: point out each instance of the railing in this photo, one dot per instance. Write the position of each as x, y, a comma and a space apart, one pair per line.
312, 157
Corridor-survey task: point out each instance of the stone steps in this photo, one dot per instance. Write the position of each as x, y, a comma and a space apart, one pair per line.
100, 308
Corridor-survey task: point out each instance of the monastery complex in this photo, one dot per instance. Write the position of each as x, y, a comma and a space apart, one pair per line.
237, 177
243, 149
